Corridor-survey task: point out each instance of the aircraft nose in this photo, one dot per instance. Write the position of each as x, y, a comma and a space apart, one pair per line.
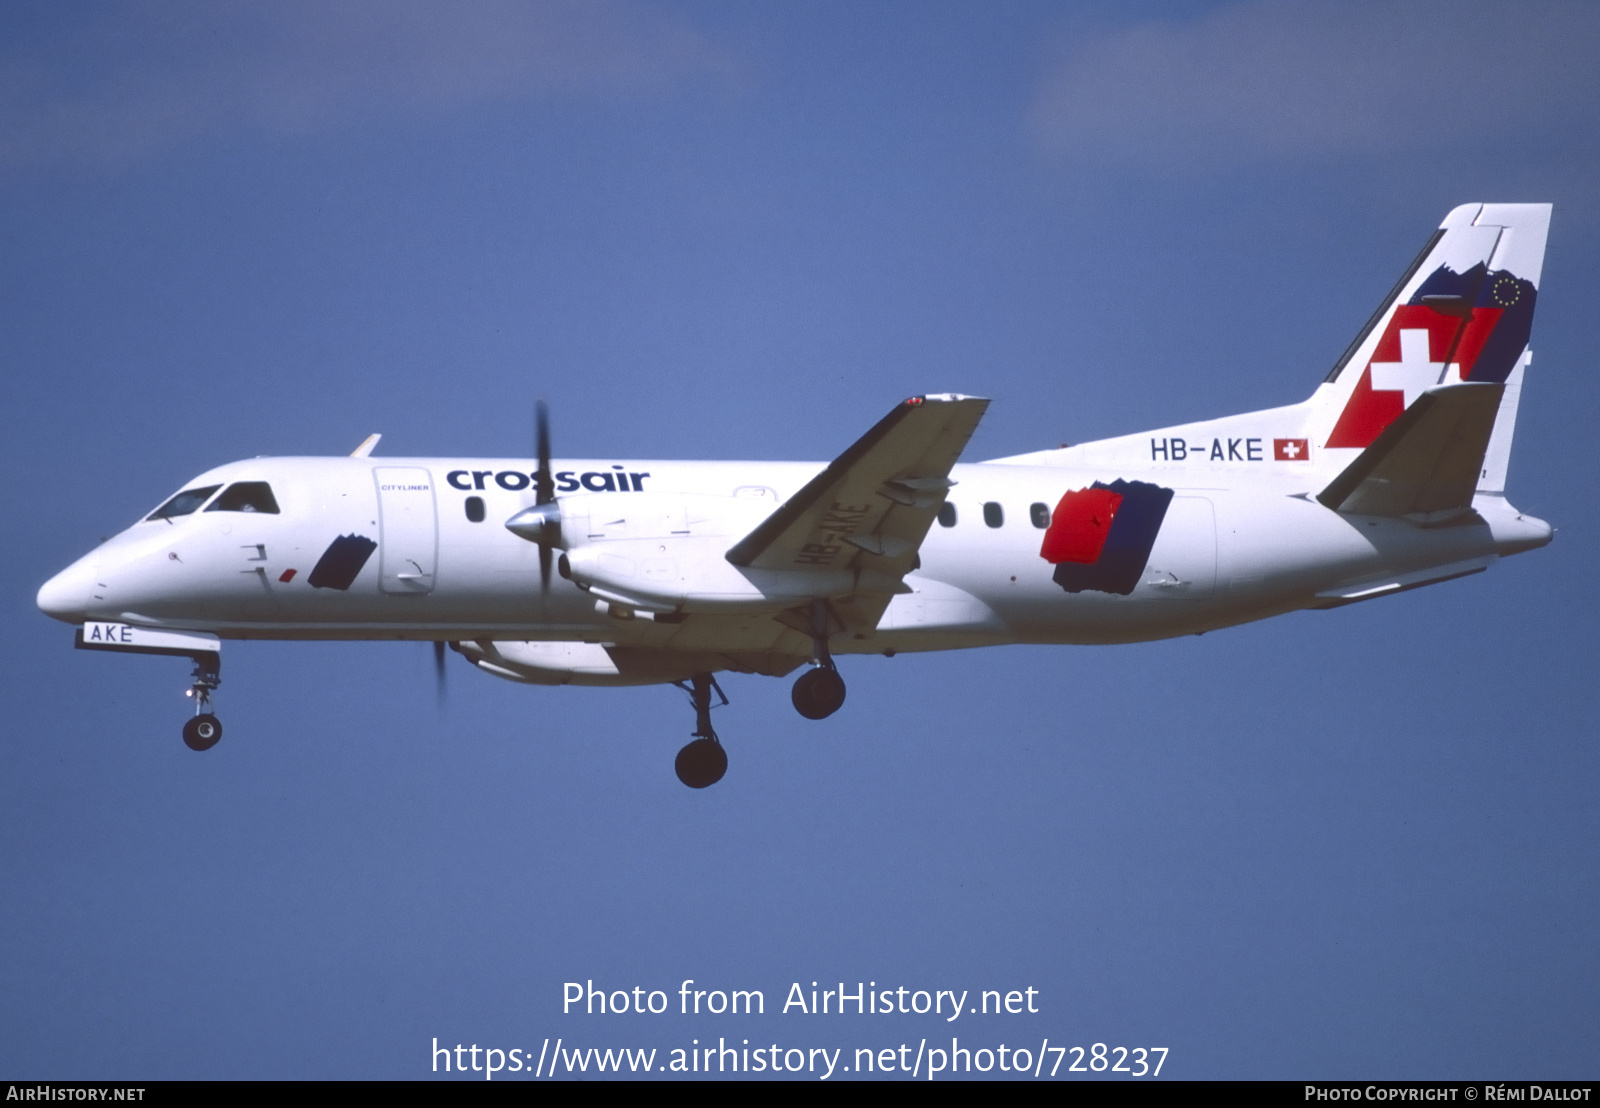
66, 595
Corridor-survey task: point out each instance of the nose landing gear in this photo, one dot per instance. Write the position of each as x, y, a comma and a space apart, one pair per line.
204, 731
702, 762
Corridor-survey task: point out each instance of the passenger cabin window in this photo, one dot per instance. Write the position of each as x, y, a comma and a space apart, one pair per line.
1040, 514
993, 514
246, 496
947, 514
184, 503
475, 509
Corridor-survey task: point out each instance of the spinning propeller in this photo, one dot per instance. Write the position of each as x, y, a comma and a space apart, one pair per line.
544, 485
541, 523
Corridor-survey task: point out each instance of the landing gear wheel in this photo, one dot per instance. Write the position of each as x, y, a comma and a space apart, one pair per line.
701, 763
202, 732
819, 693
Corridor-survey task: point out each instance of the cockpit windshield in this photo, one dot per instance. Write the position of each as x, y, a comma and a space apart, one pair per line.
184, 503
246, 496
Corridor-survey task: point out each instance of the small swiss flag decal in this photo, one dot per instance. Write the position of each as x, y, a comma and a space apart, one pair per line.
1291, 450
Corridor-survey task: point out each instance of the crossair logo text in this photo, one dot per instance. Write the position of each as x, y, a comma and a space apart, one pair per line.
513, 480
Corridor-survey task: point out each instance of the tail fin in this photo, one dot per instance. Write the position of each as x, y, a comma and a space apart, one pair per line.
1461, 313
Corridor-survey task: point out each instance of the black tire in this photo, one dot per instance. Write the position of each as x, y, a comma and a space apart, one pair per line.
701, 763
818, 694
202, 732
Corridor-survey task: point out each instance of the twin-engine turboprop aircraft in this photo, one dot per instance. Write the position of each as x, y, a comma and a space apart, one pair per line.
1391, 476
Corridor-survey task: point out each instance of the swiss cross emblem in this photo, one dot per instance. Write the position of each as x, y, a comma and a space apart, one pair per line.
1291, 450
1414, 373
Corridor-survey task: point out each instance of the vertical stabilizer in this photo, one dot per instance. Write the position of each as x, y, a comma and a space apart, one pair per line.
1462, 312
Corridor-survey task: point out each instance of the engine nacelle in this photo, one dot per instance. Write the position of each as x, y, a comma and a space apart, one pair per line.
573, 663
690, 574
665, 552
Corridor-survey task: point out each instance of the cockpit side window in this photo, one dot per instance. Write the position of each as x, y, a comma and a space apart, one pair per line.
246, 496
184, 503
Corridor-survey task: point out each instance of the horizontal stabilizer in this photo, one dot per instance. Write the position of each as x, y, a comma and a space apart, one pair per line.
1427, 461
876, 500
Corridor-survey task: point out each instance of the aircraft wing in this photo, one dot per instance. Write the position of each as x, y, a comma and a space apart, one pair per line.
872, 506
1426, 461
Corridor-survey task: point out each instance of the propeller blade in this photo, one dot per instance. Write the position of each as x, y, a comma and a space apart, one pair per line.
545, 492
545, 485
438, 670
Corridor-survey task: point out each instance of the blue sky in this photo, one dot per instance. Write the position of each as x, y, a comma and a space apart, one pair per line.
1343, 844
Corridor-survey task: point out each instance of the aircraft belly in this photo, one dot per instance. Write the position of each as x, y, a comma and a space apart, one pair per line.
759, 633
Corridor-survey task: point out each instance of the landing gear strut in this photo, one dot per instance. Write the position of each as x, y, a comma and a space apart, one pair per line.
702, 762
819, 692
204, 731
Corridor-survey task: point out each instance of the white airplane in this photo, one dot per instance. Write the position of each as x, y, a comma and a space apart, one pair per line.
1391, 476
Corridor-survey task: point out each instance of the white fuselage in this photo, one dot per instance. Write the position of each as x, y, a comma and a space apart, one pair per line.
1242, 540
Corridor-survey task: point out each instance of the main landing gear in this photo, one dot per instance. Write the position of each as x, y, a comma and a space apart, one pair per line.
819, 692
702, 762
204, 731
817, 695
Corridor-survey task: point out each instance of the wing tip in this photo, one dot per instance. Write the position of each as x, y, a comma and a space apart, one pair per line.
945, 398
